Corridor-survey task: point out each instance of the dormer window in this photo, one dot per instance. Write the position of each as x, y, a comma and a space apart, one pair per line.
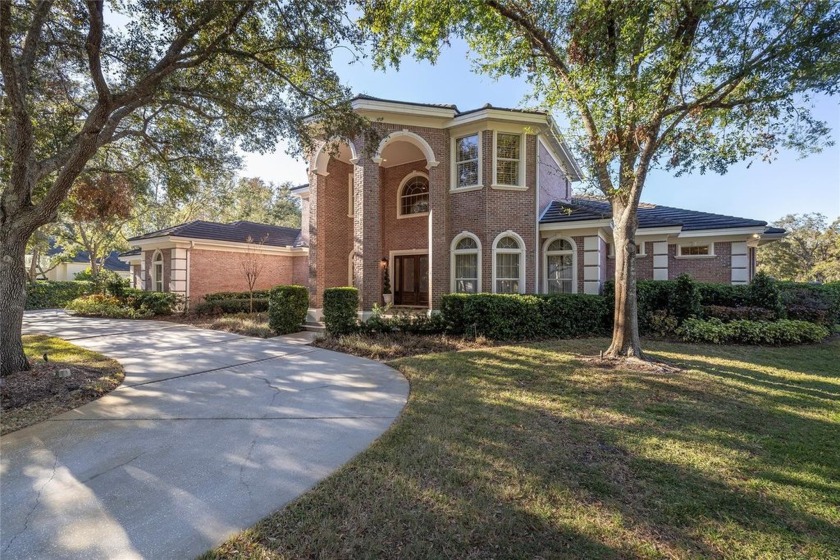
467, 161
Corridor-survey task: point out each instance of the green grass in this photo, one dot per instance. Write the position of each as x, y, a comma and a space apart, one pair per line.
537, 452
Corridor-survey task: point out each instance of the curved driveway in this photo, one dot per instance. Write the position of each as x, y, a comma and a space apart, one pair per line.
209, 432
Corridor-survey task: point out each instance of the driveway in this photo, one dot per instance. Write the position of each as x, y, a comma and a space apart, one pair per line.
209, 432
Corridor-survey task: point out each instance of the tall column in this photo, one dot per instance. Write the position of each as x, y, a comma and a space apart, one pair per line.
178, 271
593, 248
317, 260
439, 234
367, 231
740, 263
660, 260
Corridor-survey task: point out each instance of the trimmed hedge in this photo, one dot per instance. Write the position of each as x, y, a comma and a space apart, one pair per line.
773, 333
727, 314
818, 303
517, 317
287, 307
102, 305
49, 295
158, 303
221, 296
222, 306
340, 310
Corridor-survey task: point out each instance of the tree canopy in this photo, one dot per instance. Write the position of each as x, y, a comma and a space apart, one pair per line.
810, 252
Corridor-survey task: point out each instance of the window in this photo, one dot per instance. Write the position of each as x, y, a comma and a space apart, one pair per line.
700, 250
414, 196
350, 201
508, 268
466, 264
560, 267
157, 272
508, 155
640, 250
467, 161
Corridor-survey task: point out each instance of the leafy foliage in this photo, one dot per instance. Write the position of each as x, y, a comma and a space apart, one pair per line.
810, 252
763, 292
287, 307
774, 333
231, 305
53, 295
102, 305
340, 308
727, 314
217, 296
684, 299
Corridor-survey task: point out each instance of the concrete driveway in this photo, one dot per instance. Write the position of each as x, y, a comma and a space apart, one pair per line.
209, 433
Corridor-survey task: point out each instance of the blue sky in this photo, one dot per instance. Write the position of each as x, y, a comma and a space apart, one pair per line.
763, 191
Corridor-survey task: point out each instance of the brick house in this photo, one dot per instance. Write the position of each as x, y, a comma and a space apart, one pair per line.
481, 201
199, 257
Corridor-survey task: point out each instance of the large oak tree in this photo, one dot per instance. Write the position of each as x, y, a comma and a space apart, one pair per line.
176, 84
690, 85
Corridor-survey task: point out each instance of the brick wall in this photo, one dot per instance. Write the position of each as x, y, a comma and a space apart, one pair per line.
553, 183
400, 233
220, 271
167, 268
703, 269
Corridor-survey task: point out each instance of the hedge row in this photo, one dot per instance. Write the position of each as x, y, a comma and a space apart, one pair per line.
49, 295
776, 333
222, 296
222, 306
340, 310
517, 317
134, 304
287, 307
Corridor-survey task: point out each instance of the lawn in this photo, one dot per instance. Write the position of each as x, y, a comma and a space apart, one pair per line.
535, 451
28, 397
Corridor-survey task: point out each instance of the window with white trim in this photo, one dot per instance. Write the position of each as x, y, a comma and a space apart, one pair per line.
508, 266
350, 205
696, 250
157, 272
467, 161
466, 264
640, 250
414, 196
508, 158
560, 265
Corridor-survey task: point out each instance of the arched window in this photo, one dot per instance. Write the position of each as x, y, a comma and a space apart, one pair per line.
466, 264
157, 272
560, 266
509, 264
414, 195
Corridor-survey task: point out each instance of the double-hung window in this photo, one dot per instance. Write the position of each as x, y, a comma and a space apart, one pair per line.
508, 159
508, 278
467, 161
466, 271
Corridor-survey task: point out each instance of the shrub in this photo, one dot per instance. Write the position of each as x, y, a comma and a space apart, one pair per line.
684, 299
156, 303
287, 307
661, 324
776, 333
763, 292
727, 314
340, 308
418, 323
102, 305
48, 295
571, 315
724, 295
452, 313
818, 303
225, 306
504, 316
219, 296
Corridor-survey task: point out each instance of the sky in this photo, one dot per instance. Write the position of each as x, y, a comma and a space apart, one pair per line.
764, 191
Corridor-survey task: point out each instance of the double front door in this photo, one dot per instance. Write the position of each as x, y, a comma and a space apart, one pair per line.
411, 280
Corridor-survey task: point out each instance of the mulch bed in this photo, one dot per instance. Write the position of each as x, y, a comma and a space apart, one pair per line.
28, 397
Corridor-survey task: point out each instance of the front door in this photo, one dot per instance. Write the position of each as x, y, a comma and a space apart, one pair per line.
411, 280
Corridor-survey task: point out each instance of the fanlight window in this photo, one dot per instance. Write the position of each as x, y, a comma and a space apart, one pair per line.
560, 267
508, 265
157, 272
415, 197
466, 266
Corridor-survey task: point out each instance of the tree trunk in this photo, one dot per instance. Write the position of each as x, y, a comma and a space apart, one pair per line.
12, 301
625, 337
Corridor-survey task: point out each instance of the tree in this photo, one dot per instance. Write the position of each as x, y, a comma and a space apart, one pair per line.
252, 264
686, 85
810, 252
170, 92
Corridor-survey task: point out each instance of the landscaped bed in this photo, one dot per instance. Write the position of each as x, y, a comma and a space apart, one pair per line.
29, 397
537, 451
249, 324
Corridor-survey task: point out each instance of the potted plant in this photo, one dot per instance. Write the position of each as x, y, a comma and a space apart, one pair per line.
386, 285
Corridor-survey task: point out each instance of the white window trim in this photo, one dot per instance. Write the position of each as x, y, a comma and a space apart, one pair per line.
546, 254
403, 183
642, 253
350, 202
709, 244
453, 179
155, 279
522, 163
522, 258
453, 252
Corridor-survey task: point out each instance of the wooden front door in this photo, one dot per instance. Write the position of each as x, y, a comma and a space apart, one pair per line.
411, 280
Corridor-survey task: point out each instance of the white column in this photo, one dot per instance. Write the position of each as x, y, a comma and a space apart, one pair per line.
740, 263
142, 284
178, 271
592, 249
660, 260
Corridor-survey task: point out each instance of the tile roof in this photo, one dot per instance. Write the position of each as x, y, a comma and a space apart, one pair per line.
447, 106
650, 216
236, 232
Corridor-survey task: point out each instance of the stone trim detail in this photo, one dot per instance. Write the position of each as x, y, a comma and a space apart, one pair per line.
593, 248
660, 260
740, 263
178, 274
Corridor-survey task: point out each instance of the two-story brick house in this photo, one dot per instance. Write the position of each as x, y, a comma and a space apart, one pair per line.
481, 201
